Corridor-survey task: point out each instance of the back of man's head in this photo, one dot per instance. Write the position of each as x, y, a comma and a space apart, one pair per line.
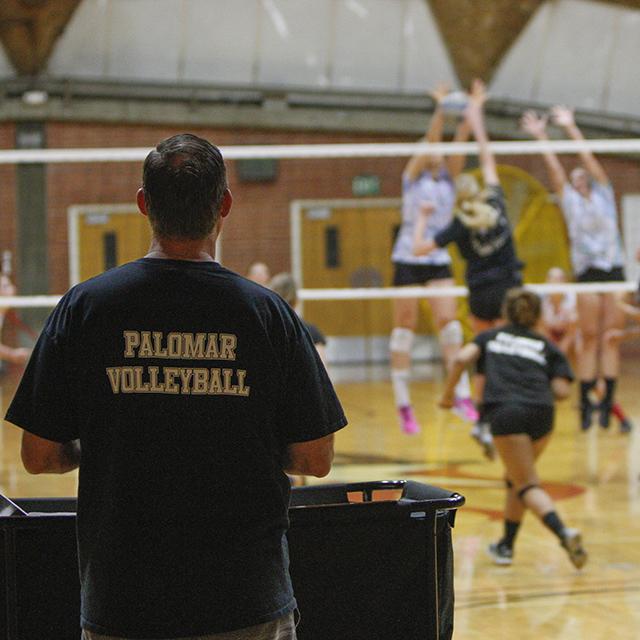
184, 180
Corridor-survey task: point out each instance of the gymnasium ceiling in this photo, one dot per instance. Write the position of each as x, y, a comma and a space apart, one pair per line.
579, 52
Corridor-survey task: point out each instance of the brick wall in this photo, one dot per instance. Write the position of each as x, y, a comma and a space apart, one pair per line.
258, 228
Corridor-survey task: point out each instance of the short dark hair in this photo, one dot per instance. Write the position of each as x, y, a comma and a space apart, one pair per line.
184, 180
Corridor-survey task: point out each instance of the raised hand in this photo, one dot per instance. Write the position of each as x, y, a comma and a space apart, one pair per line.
534, 124
562, 116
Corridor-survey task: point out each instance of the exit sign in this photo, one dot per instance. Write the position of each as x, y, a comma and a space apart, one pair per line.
367, 185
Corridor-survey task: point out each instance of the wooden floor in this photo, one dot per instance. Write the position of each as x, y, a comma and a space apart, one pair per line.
594, 478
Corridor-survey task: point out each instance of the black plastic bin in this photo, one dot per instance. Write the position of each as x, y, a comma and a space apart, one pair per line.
373, 560
369, 561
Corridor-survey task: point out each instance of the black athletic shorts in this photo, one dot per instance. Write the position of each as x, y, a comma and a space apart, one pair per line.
536, 420
485, 302
416, 274
598, 275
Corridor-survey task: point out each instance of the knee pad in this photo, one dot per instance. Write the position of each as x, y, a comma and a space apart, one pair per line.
524, 490
401, 340
451, 333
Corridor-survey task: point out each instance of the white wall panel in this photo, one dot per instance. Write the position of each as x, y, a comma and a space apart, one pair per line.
221, 41
426, 60
519, 73
295, 38
578, 54
623, 91
146, 39
81, 51
368, 39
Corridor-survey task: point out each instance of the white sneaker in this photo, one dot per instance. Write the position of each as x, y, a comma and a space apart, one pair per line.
481, 433
572, 543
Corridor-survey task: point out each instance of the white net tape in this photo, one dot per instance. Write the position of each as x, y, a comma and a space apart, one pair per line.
369, 150
377, 293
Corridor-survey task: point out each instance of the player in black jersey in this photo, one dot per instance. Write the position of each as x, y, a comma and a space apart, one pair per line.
524, 372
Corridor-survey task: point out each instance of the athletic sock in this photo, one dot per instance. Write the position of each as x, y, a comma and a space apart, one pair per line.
607, 401
400, 383
552, 521
463, 388
510, 531
586, 407
617, 411
585, 388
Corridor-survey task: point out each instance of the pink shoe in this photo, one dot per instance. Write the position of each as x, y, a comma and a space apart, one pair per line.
465, 408
408, 422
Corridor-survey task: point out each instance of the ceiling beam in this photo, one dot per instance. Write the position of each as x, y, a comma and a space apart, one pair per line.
30, 28
477, 33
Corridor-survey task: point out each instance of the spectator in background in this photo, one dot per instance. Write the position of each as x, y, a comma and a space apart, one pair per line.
560, 325
259, 272
14, 355
284, 285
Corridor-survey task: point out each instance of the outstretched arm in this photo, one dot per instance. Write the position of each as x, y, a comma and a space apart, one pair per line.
563, 117
475, 117
455, 164
416, 163
536, 126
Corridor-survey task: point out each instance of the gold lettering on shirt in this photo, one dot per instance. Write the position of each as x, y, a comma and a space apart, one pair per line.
177, 380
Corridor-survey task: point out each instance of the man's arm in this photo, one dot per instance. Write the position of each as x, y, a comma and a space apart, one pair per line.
312, 458
40, 455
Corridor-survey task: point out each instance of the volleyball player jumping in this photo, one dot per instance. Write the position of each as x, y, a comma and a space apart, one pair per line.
589, 208
481, 230
426, 178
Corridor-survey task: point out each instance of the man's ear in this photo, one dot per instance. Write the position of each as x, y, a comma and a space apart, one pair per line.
142, 205
227, 201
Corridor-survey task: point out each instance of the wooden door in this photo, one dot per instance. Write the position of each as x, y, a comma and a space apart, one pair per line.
108, 239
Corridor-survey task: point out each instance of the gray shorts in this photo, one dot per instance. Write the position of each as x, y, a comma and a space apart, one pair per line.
281, 629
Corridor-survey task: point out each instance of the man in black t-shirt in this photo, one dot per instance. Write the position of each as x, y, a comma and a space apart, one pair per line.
191, 391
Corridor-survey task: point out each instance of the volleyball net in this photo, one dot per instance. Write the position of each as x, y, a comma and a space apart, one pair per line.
367, 287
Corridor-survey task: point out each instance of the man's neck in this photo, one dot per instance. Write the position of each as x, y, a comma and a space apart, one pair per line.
193, 250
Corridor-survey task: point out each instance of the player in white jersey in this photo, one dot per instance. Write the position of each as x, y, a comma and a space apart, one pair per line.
589, 208
427, 180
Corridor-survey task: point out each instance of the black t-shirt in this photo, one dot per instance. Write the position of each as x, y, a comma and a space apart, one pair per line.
490, 254
184, 382
519, 365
